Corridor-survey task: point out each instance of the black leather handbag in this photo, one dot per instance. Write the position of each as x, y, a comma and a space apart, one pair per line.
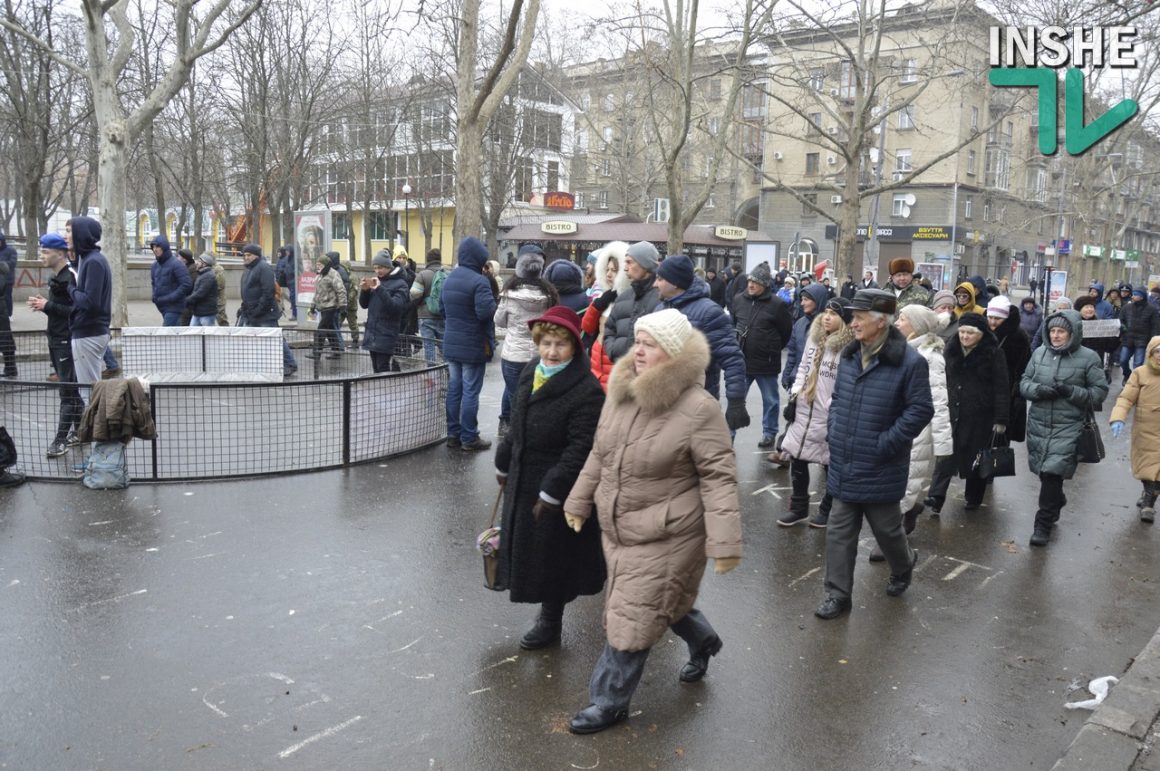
991, 462
1090, 447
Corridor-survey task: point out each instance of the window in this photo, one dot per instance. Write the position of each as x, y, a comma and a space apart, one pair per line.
609, 103
715, 88
811, 164
906, 117
542, 129
553, 181
909, 71
602, 199
1010, 130
817, 79
998, 171
807, 200
1037, 185
578, 199
381, 225
710, 203
814, 125
753, 101
986, 212
714, 126
902, 161
339, 226
972, 162
974, 119
901, 208
581, 140
606, 134
606, 167
846, 81
968, 207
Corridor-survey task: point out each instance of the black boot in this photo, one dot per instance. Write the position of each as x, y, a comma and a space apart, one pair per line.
1148, 510
546, 630
799, 511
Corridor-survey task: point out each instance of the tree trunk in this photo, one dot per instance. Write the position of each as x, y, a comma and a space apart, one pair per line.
112, 162
468, 171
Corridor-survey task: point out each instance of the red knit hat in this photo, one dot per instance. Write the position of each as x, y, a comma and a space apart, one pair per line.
562, 316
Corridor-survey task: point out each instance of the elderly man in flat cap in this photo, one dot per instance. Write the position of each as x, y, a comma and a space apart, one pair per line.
881, 402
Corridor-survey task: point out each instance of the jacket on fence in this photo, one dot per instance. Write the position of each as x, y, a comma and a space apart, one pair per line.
763, 326
663, 482
118, 411
1054, 423
1142, 391
259, 308
619, 332
708, 318
385, 305
329, 289
92, 295
549, 441
935, 440
171, 281
203, 300
1016, 348
517, 306
805, 438
978, 397
875, 414
468, 307
58, 306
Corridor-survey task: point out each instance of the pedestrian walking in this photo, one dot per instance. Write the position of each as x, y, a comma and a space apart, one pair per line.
902, 284
260, 306
1004, 322
849, 287
1031, 320
640, 265
386, 297
1063, 382
202, 302
7, 283
716, 287
881, 402
219, 275
525, 296
425, 294
171, 282
663, 482
611, 282
329, 297
813, 300
1141, 322
285, 273
808, 410
468, 308
1142, 393
966, 295
58, 308
763, 326
554, 413
92, 297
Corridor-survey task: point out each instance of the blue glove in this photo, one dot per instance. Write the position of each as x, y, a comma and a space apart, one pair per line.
1117, 428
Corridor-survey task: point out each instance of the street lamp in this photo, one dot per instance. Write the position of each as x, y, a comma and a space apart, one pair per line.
407, 213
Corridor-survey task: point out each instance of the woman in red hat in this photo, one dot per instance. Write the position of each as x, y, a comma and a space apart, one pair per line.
555, 408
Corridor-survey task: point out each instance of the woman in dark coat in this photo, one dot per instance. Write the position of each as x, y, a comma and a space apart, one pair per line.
978, 396
555, 409
1003, 318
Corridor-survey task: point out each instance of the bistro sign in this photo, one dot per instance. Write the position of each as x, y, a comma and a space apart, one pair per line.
730, 233
558, 228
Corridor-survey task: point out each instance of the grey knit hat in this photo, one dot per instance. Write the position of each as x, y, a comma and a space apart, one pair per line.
382, 259
761, 275
207, 258
645, 255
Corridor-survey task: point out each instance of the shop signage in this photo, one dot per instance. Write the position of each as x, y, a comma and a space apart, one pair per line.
1093, 251
559, 201
730, 233
558, 228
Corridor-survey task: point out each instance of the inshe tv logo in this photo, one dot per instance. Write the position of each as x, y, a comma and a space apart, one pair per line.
1054, 48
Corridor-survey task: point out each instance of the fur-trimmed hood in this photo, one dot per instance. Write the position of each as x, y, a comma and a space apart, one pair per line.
615, 249
659, 388
931, 341
836, 341
893, 351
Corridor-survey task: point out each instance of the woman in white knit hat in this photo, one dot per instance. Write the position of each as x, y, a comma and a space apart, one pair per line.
663, 482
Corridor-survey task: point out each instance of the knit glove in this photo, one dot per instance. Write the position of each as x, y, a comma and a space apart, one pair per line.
1117, 428
602, 302
1046, 392
735, 415
723, 565
1064, 389
543, 508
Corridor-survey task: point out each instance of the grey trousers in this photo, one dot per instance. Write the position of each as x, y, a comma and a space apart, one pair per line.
842, 542
617, 673
88, 360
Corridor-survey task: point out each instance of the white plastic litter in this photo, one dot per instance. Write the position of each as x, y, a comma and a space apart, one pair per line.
1098, 688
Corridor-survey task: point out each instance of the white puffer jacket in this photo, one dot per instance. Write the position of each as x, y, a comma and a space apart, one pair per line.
805, 439
935, 440
516, 308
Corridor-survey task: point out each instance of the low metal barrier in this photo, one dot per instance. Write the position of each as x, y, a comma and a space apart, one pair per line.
334, 412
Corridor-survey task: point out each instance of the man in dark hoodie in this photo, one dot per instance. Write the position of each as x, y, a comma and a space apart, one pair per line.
285, 273
1104, 310
171, 282
92, 298
7, 282
468, 308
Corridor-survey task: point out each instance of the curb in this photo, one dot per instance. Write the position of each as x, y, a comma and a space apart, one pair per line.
1124, 731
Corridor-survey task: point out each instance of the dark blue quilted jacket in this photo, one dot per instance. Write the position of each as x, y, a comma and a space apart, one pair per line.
874, 415
707, 317
468, 307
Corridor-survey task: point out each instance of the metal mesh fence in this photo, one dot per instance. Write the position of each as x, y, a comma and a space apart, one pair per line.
333, 413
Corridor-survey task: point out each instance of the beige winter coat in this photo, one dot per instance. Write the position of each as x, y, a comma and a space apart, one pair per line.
663, 480
1143, 392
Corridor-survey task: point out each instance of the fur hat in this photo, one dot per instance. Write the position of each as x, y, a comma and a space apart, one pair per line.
999, 307
761, 275
973, 320
875, 300
206, 258
942, 297
530, 249
645, 255
563, 316
530, 265
901, 265
669, 328
922, 319
382, 259
677, 270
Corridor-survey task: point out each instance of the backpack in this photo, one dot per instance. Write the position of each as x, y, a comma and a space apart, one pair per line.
106, 468
436, 292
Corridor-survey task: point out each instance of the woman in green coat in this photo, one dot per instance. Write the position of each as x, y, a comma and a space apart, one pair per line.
1063, 381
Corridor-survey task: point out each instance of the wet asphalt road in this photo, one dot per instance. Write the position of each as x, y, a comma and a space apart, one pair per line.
338, 620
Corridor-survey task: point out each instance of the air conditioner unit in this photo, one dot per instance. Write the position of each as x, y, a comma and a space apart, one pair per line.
832, 130
898, 175
959, 248
835, 199
661, 210
831, 159
777, 156
833, 92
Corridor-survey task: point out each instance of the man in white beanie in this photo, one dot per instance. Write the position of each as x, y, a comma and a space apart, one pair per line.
640, 264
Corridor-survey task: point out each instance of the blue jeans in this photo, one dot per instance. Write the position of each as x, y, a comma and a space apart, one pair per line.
770, 401
465, 381
170, 318
1132, 357
338, 329
431, 330
511, 380
204, 321
111, 360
